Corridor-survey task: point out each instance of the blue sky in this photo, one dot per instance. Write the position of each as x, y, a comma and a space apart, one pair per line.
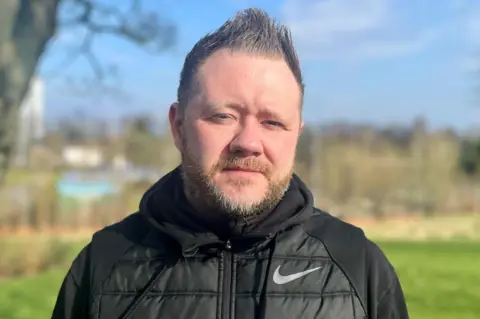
379, 61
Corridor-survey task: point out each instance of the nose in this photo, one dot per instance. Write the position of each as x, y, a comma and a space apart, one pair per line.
247, 141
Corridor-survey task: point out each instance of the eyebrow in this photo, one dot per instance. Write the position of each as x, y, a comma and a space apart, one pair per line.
229, 105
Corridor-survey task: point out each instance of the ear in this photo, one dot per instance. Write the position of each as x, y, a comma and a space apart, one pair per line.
175, 117
302, 124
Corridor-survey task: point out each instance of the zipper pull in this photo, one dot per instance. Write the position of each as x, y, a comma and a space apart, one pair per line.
228, 245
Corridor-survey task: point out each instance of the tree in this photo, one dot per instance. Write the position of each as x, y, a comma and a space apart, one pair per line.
26, 28
470, 166
470, 158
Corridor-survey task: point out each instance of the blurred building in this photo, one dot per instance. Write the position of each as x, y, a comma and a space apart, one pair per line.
82, 156
31, 122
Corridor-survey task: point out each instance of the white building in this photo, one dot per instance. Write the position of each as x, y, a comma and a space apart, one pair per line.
31, 121
82, 156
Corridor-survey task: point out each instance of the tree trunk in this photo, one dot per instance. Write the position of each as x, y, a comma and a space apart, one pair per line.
26, 26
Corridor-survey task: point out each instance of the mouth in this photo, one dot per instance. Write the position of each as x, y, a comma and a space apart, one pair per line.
241, 170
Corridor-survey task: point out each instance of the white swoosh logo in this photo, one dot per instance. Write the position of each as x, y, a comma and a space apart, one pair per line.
279, 279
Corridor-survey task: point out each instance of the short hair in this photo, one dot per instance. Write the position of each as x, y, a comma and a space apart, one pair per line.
252, 31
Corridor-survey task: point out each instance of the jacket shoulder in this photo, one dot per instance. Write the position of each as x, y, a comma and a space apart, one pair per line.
322, 223
364, 263
131, 237
117, 236
133, 227
386, 297
346, 246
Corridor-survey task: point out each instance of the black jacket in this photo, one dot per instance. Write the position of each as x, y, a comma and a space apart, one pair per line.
167, 262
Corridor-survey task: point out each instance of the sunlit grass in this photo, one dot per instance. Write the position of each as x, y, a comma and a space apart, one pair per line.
25, 176
30, 297
453, 227
440, 279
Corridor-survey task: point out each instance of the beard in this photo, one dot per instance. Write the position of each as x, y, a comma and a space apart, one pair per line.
208, 196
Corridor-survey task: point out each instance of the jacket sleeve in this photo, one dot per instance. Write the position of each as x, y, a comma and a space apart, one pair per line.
386, 299
392, 304
73, 297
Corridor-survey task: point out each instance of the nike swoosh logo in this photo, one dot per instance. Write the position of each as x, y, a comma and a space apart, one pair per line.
279, 279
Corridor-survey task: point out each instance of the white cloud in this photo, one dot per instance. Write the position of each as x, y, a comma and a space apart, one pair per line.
354, 29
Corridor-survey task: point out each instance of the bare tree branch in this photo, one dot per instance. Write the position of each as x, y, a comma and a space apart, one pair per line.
73, 56
145, 29
135, 25
135, 6
91, 58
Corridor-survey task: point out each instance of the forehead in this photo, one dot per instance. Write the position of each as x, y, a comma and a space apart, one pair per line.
249, 79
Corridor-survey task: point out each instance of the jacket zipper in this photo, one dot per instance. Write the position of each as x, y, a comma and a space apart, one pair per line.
227, 280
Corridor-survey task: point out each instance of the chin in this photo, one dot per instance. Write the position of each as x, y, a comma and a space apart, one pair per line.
243, 192
250, 184
245, 199
241, 205
240, 179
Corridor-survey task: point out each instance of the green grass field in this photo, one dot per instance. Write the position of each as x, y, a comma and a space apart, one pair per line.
440, 280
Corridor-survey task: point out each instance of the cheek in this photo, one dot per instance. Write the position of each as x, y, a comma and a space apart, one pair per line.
205, 145
281, 152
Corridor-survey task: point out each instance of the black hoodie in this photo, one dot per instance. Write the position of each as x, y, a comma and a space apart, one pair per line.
171, 261
167, 209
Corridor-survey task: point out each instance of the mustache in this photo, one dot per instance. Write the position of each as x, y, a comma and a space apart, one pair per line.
250, 164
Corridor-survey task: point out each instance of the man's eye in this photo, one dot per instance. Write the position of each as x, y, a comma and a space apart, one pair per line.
274, 123
222, 116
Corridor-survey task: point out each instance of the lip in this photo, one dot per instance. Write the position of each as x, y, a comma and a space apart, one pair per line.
240, 170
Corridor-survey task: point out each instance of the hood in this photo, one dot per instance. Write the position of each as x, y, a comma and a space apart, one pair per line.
167, 210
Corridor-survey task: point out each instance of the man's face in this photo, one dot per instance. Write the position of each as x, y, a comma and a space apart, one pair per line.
238, 134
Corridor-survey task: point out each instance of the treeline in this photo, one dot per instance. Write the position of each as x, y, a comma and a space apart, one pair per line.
404, 170
353, 170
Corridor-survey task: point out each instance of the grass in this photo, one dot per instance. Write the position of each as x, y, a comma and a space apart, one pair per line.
31, 254
26, 176
440, 280
30, 297
459, 227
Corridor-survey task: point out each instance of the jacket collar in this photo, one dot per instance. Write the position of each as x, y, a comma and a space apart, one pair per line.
167, 210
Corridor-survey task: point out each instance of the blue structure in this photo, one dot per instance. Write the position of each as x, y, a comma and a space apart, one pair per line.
86, 185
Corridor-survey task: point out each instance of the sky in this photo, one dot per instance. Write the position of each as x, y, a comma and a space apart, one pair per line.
368, 61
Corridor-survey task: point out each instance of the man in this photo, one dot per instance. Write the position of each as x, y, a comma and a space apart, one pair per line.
232, 232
